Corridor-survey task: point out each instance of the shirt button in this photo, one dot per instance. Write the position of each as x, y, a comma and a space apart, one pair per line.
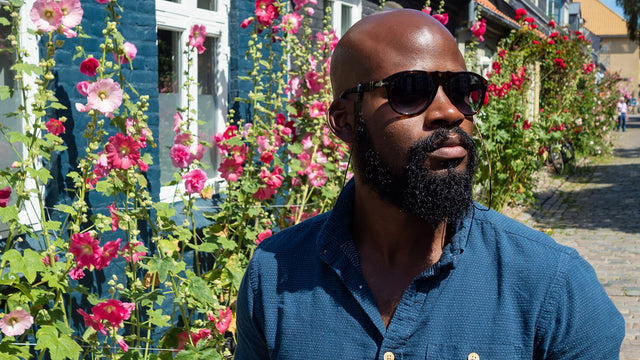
388, 356
473, 356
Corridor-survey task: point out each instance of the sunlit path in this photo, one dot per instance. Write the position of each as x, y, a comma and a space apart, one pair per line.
597, 212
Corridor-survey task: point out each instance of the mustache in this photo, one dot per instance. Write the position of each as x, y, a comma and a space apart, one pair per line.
436, 139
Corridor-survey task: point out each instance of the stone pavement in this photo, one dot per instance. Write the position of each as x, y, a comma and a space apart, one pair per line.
597, 212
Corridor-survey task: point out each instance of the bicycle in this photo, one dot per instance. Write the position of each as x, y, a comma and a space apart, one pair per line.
562, 156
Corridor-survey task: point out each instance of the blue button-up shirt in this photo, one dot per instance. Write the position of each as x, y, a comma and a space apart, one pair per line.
500, 291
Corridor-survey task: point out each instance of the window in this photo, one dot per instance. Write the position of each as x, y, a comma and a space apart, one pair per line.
209, 69
30, 214
344, 14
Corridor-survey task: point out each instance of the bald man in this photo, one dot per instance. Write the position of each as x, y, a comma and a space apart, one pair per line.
406, 265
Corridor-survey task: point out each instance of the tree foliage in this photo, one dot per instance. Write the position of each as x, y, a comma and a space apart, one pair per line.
632, 16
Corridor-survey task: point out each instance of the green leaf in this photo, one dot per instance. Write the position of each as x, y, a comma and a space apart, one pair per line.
60, 346
164, 210
66, 209
8, 214
157, 318
52, 225
5, 91
27, 69
4, 22
29, 265
104, 187
192, 353
226, 243
201, 291
57, 105
10, 351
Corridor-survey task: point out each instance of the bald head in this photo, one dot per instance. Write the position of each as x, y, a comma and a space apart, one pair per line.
384, 43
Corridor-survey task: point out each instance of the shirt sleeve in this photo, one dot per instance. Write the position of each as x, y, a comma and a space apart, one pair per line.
579, 321
251, 343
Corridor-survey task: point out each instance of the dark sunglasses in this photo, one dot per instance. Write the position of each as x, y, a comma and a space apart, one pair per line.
411, 92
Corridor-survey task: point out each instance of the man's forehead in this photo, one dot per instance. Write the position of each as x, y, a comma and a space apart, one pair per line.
392, 41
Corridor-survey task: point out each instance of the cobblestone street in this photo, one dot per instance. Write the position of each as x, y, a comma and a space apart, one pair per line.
597, 211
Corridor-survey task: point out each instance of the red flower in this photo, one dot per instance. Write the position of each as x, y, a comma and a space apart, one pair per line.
551, 42
526, 125
89, 66
55, 127
114, 311
442, 18
520, 13
529, 20
229, 170
559, 62
502, 53
496, 67
479, 28
535, 42
223, 322
246, 22
90, 320
115, 220
86, 249
552, 24
122, 151
265, 12
263, 235
5, 193
183, 337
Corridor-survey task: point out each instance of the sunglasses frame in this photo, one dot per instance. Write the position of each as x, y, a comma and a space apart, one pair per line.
441, 78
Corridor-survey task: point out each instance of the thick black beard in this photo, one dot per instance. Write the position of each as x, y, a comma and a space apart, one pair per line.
416, 190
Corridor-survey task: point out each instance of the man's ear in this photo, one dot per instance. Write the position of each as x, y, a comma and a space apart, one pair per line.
341, 120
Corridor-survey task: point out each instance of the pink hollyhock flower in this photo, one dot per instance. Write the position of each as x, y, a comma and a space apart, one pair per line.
76, 273
104, 95
520, 13
130, 252
55, 127
102, 1
47, 261
91, 321
263, 235
5, 194
427, 10
122, 152
266, 12
272, 179
197, 36
293, 87
292, 22
224, 320
310, 11
16, 322
299, 4
442, 18
115, 220
182, 139
130, 50
200, 150
183, 338
316, 175
264, 193
307, 141
180, 156
109, 252
71, 16
266, 157
89, 66
229, 170
46, 15
311, 78
246, 22
86, 250
479, 28
123, 345
317, 109
82, 87
194, 181
177, 120
114, 311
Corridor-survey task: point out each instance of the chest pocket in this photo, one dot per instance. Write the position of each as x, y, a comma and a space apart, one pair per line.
472, 352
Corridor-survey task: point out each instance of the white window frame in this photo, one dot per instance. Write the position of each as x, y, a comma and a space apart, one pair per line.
30, 214
336, 16
180, 17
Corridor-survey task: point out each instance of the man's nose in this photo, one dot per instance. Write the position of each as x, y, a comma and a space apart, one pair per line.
442, 113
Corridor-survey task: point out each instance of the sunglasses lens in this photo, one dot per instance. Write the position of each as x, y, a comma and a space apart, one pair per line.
466, 92
411, 92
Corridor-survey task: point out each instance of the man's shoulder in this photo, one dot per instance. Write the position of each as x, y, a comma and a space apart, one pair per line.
515, 234
300, 238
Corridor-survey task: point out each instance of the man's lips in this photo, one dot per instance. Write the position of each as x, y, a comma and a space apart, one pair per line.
449, 149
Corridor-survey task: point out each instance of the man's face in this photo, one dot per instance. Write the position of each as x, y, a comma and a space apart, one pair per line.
434, 196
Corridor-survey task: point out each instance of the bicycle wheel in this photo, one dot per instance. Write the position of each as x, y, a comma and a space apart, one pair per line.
568, 156
556, 157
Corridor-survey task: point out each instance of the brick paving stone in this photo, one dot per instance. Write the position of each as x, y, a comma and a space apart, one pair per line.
596, 211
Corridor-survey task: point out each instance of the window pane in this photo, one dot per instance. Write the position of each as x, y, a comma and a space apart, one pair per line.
169, 96
207, 104
346, 19
208, 5
7, 59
